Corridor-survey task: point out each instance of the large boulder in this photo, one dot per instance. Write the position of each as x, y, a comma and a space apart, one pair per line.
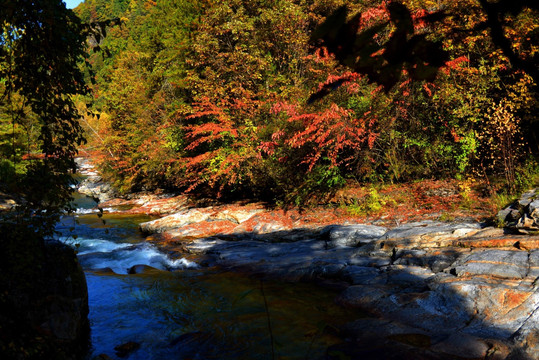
523, 214
44, 301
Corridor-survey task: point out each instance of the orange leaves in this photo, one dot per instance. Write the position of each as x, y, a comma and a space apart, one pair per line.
209, 131
455, 64
282, 106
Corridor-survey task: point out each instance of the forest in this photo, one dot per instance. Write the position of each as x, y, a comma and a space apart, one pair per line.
288, 101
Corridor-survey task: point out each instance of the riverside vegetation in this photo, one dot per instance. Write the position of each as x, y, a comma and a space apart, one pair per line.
233, 99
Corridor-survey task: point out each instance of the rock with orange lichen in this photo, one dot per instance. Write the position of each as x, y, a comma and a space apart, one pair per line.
202, 216
176, 220
203, 229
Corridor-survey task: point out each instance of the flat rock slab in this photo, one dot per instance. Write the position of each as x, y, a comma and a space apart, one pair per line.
352, 235
505, 264
176, 220
431, 229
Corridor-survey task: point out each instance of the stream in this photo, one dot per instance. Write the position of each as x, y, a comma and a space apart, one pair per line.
176, 309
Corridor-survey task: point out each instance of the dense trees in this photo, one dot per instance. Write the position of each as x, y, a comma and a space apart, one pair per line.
240, 98
40, 48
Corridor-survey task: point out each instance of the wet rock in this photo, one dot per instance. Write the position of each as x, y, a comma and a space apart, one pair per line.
94, 187
102, 357
141, 269
465, 346
104, 271
6, 202
126, 349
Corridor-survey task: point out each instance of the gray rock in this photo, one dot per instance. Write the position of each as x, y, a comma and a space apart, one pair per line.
522, 203
362, 275
141, 269
93, 186
363, 296
527, 335
533, 209
408, 276
353, 235
503, 215
431, 229
505, 264
463, 346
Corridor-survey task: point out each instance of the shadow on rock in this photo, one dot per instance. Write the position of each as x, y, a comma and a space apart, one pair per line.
433, 290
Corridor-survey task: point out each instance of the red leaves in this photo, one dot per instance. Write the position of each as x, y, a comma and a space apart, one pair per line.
327, 135
373, 15
455, 64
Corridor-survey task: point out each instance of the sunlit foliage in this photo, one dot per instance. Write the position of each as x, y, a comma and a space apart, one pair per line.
282, 99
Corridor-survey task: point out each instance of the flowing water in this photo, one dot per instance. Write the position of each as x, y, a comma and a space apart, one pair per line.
179, 310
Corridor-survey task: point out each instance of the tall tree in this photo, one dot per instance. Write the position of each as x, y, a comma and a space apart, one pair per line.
41, 44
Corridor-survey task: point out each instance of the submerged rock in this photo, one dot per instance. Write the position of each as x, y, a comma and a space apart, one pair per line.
141, 269
126, 349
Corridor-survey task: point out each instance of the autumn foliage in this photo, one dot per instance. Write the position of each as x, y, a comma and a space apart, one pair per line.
281, 100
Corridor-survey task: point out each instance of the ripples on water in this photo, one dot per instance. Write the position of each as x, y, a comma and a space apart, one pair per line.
182, 311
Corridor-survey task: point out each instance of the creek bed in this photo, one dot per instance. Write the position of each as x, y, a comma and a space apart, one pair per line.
175, 309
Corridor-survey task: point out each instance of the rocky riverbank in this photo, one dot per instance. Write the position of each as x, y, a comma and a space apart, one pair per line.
424, 289
463, 289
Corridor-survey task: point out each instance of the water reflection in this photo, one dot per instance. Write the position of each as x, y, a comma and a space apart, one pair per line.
190, 312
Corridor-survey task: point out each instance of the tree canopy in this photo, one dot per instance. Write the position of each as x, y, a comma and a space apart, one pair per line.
283, 99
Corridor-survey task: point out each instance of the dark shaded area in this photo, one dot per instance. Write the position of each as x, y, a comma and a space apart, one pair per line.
407, 50
382, 63
496, 11
392, 323
43, 298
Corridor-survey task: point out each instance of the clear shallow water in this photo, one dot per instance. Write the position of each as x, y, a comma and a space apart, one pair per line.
182, 311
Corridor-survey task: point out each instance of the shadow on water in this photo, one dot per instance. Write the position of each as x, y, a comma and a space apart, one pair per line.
401, 315
192, 312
